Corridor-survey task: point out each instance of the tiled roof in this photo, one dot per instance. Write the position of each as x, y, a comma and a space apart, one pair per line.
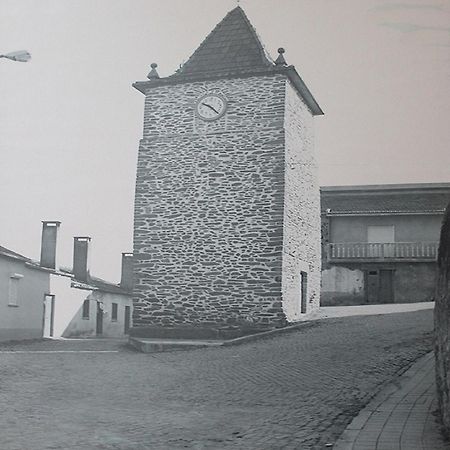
106, 286
413, 199
96, 283
232, 46
7, 252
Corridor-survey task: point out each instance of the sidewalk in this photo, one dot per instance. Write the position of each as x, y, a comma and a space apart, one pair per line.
400, 417
328, 312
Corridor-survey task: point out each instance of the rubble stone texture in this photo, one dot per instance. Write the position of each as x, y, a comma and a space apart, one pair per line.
227, 214
442, 323
217, 202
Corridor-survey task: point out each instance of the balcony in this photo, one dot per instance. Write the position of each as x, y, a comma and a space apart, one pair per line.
370, 252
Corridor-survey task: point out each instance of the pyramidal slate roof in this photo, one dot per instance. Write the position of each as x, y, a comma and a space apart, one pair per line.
232, 46
232, 49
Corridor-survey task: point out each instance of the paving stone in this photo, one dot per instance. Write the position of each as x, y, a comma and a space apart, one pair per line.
298, 390
409, 424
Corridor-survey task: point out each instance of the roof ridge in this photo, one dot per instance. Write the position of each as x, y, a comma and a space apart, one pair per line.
264, 53
203, 54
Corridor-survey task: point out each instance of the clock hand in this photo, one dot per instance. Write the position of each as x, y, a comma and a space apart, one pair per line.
210, 107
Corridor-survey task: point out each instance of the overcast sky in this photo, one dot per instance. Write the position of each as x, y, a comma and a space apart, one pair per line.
70, 122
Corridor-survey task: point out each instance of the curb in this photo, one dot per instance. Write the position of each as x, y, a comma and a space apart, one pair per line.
163, 345
268, 334
381, 402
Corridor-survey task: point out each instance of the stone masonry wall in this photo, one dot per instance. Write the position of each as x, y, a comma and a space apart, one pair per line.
301, 247
442, 324
209, 206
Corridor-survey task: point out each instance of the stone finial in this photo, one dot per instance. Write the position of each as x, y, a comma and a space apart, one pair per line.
280, 61
153, 73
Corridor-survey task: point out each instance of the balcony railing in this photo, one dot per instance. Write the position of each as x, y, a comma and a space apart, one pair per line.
403, 251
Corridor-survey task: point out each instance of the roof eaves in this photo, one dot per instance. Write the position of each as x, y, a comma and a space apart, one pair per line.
17, 258
304, 92
337, 213
294, 77
383, 187
101, 285
37, 266
94, 283
143, 86
13, 255
81, 285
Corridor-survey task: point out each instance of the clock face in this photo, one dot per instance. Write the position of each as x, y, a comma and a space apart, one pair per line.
211, 106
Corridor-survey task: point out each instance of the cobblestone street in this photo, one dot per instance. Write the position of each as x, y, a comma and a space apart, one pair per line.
295, 391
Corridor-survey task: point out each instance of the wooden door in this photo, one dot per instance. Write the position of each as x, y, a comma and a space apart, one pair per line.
386, 289
380, 286
303, 291
372, 286
99, 321
127, 319
49, 315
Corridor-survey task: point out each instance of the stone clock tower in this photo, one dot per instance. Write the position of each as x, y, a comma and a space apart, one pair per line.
227, 221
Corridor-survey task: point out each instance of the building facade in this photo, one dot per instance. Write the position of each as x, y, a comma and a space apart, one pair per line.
23, 286
93, 309
379, 243
79, 304
39, 299
227, 218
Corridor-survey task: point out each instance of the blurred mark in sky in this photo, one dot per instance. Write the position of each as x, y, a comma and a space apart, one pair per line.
414, 18
397, 6
410, 27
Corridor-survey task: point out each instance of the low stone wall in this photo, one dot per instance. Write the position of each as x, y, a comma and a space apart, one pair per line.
442, 324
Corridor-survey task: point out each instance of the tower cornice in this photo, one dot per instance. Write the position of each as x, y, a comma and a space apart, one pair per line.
289, 71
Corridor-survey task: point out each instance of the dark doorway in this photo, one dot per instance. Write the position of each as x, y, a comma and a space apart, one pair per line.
380, 286
372, 286
386, 291
303, 291
127, 319
49, 315
99, 322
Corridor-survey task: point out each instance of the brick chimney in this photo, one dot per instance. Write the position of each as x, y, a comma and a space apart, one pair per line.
81, 257
48, 243
126, 279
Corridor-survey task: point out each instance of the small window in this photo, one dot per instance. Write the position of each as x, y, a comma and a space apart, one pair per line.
303, 291
85, 314
13, 293
380, 234
114, 312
